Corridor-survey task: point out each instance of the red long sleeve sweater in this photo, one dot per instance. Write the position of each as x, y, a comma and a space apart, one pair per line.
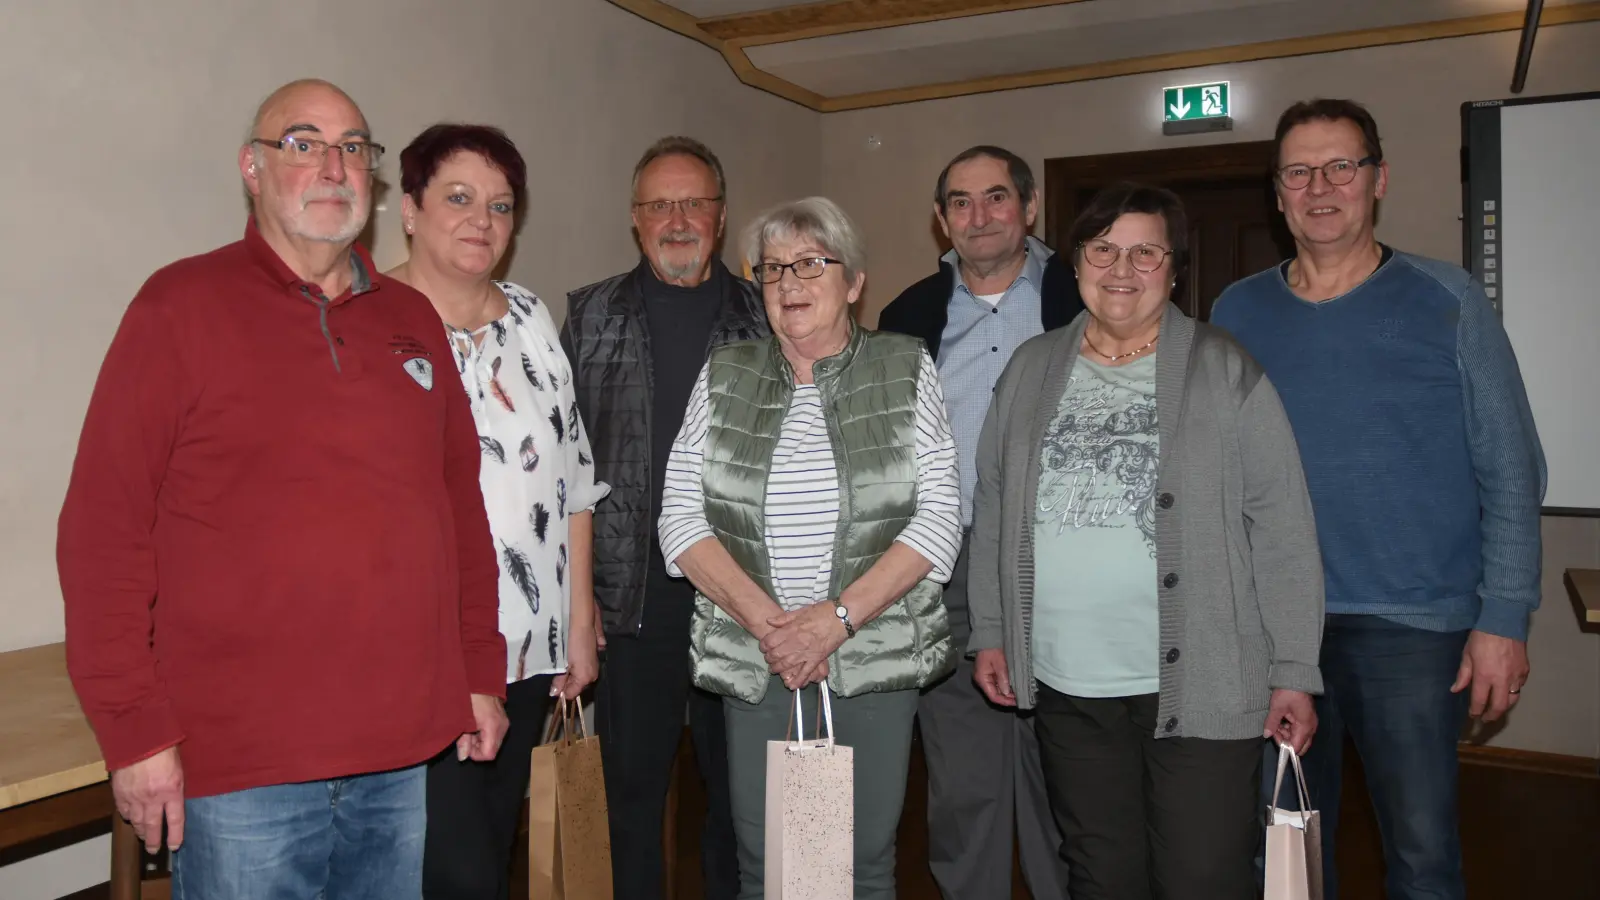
273, 548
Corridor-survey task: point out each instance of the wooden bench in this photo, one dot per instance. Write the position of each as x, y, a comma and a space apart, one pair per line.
1584, 586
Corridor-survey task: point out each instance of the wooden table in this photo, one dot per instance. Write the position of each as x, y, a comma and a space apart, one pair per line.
1584, 584
51, 774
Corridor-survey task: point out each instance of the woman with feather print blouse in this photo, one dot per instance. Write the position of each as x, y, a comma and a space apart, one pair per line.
463, 185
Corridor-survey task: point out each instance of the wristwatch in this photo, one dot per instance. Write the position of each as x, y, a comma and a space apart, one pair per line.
844, 616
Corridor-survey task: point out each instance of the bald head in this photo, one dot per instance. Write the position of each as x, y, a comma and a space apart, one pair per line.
282, 101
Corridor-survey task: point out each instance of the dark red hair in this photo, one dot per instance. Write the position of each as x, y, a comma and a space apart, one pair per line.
421, 158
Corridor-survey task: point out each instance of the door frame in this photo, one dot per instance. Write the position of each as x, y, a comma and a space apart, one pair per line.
1067, 176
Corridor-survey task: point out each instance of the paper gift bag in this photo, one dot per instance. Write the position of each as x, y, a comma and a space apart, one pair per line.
810, 852
1294, 839
569, 840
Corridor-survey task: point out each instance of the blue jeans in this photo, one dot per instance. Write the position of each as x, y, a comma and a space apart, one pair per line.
1388, 686
356, 838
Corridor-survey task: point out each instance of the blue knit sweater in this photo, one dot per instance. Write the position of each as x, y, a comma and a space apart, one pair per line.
1424, 468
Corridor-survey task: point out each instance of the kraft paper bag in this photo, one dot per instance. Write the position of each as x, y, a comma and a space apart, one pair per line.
1294, 839
569, 839
810, 852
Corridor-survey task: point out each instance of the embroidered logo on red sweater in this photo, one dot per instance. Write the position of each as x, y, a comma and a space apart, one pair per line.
421, 371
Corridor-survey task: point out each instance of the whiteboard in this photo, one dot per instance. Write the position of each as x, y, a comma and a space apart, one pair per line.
1532, 233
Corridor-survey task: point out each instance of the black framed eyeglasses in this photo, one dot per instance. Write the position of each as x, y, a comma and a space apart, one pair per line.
1103, 255
1298, 176
810, 267
306, 152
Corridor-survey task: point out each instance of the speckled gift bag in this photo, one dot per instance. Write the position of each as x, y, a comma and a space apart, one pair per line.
810, 813
569, 840
1294, 839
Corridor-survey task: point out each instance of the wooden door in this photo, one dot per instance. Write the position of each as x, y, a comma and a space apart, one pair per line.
1235, 228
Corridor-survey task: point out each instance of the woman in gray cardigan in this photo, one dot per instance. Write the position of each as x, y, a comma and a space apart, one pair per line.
1144, 570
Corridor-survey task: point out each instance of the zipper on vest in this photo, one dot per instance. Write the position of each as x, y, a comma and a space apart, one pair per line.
322, 302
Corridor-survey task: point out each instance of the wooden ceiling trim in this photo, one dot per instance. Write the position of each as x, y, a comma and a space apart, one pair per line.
675, 19
671, 18
757, 78
1301, 46
813, 20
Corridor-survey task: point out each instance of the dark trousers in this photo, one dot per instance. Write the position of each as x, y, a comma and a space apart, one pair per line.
1148, 819
639, 712
1388, 686
985, 786
474, 808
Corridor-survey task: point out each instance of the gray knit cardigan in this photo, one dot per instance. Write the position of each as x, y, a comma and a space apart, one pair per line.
1238, 572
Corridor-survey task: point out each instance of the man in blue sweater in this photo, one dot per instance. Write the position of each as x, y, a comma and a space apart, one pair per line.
1426, 476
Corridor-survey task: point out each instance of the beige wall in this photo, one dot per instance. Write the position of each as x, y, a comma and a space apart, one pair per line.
125, 119
1415, 91
124, 123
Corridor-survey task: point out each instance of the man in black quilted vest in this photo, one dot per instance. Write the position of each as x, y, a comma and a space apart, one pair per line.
637, 341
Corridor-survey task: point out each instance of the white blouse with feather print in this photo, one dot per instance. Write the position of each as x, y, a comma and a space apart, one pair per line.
536, 471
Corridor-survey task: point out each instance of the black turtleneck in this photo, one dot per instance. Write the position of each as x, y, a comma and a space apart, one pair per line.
680, 322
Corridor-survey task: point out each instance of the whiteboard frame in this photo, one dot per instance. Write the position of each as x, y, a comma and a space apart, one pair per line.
1480, 182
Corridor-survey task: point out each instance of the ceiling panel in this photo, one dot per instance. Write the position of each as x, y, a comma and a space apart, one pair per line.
1038, 42
707, 9
1152, 17
1077, 34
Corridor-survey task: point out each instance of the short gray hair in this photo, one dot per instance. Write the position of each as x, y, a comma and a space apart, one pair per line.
814, 218
677, 145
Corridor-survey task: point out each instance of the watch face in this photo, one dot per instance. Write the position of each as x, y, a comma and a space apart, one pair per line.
840, 612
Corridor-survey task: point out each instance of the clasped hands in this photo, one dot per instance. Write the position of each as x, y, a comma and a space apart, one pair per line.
799, 642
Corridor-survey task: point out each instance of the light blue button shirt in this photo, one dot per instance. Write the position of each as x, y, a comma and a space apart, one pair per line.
977, 343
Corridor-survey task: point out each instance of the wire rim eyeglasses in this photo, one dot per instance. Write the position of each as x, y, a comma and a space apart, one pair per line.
691, 206
306, 152
1104, 254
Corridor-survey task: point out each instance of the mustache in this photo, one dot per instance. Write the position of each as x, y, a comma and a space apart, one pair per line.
682, 236
329, 192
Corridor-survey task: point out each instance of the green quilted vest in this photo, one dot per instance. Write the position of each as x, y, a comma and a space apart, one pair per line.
869, 395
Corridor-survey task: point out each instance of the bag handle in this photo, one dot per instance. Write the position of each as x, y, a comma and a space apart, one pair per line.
1286, 757
797, 715
561, 722
825, 717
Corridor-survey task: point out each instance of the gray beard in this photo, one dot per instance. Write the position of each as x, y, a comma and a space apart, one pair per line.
344, 235
680, 270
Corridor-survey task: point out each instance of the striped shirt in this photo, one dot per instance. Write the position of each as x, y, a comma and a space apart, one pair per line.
802, 501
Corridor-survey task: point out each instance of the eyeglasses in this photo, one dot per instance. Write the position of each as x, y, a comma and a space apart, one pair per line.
1104, 254
692, 207
1338, 172
813, 267
304, 151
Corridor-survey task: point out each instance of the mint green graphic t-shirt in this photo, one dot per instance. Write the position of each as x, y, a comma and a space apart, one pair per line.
1096, 628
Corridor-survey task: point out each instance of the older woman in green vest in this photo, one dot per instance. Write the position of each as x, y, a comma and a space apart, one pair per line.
812, 499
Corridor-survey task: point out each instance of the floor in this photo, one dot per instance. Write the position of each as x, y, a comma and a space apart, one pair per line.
1525, 835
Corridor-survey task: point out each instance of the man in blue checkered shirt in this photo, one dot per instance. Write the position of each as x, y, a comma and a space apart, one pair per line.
996, 288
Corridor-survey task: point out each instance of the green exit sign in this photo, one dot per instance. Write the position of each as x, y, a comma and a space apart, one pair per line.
1191, 108
1195, 101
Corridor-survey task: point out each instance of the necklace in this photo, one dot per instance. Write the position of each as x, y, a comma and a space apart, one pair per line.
1131, 353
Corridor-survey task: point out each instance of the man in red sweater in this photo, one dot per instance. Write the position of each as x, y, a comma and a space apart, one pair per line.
279, 580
